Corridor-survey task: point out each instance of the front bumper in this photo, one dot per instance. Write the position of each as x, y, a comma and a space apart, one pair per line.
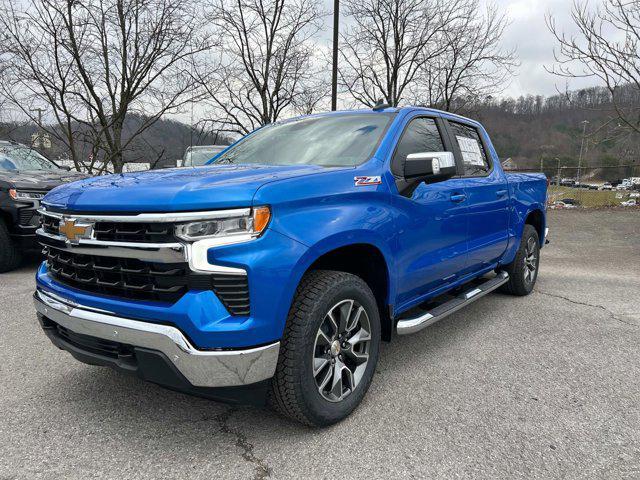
200, 368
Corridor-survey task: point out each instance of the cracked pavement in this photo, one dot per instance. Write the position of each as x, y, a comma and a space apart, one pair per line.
545, 386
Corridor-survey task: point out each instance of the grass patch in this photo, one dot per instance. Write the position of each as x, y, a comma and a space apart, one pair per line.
587, 198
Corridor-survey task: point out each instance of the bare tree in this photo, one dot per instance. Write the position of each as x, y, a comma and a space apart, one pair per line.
391, 42
315, 95
473, 64
607, 48
266, 61
92, 63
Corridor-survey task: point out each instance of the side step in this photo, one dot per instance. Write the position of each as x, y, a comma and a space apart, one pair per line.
407, 326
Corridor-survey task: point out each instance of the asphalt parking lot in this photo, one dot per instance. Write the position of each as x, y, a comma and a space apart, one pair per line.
546, 386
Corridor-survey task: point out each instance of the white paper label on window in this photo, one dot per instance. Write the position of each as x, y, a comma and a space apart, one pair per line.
471, 153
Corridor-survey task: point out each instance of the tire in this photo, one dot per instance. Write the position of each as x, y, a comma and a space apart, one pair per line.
10, 256
523, 271
309, 340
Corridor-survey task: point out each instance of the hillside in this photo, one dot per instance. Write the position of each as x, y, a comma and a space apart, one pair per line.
162, 143
534, 129
528, 130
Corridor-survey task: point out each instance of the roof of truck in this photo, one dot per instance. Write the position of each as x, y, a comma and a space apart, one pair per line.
405, 108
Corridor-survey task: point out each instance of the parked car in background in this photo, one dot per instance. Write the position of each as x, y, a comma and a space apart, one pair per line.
25, 177
606, 186
630, 203
201, 154
559, 205
273, 273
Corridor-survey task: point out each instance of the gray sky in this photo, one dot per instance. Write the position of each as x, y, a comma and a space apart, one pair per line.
529, 34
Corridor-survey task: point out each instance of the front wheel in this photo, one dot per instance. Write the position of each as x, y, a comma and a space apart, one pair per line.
329, 349
523, 271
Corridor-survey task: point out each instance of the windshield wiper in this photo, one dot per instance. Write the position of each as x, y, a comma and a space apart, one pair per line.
222, 161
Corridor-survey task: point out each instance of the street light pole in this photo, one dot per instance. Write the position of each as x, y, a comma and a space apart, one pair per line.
584, 133
334, 73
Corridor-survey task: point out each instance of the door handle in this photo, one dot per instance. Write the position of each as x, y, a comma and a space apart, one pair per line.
501, 193
458, 197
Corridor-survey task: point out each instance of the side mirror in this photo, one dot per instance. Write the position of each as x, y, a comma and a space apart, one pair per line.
430, 166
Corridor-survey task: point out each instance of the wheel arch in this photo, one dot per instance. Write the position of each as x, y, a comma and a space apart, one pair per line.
536, 219
360, 253
366, 261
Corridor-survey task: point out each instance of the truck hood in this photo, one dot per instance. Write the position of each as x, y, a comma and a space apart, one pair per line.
172, 190
39, 179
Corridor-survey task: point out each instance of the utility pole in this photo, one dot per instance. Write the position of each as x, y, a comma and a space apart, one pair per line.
584, 133
334, 73
35, 138
39, 110
559, 172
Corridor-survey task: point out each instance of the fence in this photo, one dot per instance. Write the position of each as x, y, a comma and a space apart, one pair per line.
603, 186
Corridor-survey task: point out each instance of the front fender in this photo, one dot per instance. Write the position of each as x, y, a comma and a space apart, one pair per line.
345, 239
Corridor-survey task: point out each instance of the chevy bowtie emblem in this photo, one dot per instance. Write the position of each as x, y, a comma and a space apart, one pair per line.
74, 231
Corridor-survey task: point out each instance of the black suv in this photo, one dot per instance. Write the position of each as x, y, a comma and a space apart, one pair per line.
25, 177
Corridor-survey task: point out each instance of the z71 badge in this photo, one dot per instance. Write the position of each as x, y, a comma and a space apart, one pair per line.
366, 181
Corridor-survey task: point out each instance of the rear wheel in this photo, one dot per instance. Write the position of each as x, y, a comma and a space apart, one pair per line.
329, 349
9, 254
523, 271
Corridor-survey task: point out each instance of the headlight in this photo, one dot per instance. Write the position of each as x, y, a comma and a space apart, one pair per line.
18, 195
251, 224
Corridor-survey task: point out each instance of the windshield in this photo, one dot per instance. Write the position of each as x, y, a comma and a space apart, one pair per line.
332, 140
23, 158
200, 156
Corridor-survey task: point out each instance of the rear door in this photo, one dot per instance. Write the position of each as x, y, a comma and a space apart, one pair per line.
487, 193
431, 229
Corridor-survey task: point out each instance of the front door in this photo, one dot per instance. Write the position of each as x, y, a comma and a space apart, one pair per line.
431, 231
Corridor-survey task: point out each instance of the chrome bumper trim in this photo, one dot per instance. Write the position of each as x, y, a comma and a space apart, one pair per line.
201, 368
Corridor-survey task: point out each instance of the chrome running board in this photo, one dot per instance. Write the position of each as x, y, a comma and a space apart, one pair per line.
407, 326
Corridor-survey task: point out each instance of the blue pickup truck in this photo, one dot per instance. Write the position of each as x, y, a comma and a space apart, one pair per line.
272, 274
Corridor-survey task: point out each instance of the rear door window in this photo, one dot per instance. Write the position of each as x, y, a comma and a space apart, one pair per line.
473, 153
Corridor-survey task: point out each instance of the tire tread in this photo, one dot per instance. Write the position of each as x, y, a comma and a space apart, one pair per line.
285, 396
516, 285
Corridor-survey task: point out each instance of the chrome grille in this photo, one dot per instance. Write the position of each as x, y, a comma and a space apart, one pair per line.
134, 232
135, 260
50, 224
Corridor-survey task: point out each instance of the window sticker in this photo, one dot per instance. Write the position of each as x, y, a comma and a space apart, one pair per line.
471, 153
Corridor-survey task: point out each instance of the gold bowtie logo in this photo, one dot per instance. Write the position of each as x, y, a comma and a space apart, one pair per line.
69, 229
